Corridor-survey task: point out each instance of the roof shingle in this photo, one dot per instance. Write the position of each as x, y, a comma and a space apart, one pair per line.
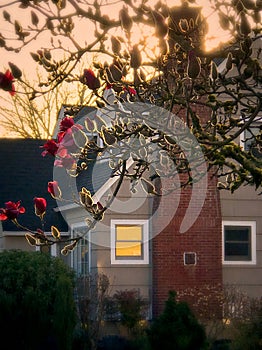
24, 175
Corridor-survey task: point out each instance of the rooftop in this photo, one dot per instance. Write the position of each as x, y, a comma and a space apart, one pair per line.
24, 174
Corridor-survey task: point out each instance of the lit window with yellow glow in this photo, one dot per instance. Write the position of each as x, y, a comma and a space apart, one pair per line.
129, 242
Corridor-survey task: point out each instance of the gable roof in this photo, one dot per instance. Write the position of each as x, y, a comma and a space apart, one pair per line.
93, 178
24, 174
98, 171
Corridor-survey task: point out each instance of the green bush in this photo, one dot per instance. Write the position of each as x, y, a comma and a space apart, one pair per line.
249, 335
37, 309
130, 305
176, 328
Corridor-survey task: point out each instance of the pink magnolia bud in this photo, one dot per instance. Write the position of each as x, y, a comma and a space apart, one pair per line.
6, 82
66, 123
50, 147
11, 211
66, 161
40, 206
90, 79
54, 189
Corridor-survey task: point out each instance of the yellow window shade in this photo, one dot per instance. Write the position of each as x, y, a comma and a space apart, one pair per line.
128, 233
128, 249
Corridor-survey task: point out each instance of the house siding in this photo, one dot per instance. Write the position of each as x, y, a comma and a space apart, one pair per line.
13, 240
244, 205
121, 276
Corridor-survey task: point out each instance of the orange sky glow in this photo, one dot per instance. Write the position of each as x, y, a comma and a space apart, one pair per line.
23, 59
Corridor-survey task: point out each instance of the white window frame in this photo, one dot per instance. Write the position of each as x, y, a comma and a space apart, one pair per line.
87, 237
195, 258
242, 138
252, 225
145, 244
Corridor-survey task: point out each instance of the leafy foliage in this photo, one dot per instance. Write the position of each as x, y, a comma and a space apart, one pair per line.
25, 117
92, 293
217, 104
176, 328
176, 74
244, 319
131, 306
36, 301
249, 334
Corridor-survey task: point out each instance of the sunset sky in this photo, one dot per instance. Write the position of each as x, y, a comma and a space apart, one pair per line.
25, 62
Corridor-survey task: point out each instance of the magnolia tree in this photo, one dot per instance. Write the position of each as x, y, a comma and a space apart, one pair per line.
25, 117
139, 86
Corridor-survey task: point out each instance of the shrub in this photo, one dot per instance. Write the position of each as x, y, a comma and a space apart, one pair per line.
131, 308
249, 333
243, 314
176, 328
91, 295
37, 309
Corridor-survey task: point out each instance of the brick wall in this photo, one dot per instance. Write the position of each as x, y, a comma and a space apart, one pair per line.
204, 239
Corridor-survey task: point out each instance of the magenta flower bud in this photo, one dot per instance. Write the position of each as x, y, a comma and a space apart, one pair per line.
90, 79
11, 211
40, 206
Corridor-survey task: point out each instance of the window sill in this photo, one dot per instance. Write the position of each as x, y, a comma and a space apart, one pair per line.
129, 262
239, 263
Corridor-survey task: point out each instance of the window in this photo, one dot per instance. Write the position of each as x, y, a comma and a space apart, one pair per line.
81, 254
190, 258
248, 142
239, 242
129, 242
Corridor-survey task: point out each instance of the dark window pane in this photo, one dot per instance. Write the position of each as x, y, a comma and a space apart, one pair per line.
237, 249
237, 243
237, 233
190, 258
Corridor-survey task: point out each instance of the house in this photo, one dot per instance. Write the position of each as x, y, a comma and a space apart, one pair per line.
147, 241
25, 175
242, 220
197, 258
133, 247
242, 240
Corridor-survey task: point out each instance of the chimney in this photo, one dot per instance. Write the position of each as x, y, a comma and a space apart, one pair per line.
187, 24
188, 262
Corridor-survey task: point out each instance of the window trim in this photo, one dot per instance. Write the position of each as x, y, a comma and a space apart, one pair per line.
242, 138
252, 225
145, 244
72, 228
